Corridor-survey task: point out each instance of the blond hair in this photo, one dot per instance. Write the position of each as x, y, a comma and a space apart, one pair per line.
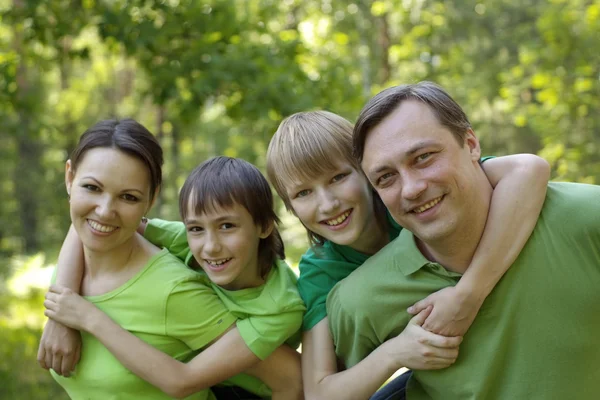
305, 146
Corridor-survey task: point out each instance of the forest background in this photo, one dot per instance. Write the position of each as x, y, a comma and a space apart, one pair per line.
217, 76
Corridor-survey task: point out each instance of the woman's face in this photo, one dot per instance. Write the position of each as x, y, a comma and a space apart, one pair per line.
337, 206
110, 193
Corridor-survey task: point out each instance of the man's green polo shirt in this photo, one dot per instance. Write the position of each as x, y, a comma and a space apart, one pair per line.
537, 335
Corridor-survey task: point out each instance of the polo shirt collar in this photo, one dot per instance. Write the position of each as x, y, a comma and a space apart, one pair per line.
409, 258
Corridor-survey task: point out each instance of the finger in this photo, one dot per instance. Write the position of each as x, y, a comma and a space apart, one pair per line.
49, 305
76, 358
421, 316
439, 363
57, 364
41, 356
52, 296
67, 365
48, 359
420, 306
442, 342
56, 289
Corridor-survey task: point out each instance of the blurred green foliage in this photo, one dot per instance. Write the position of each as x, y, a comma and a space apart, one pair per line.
217, 76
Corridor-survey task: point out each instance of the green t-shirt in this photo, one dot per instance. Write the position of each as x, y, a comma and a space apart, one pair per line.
268, 315
154, 305
322, 267
536, 335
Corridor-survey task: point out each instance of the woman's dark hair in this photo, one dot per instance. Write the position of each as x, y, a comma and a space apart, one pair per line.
128, 136
224, 181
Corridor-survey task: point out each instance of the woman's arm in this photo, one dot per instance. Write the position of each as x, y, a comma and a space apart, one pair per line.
281, 371
175, 378
520, 183
60, 346
413, 348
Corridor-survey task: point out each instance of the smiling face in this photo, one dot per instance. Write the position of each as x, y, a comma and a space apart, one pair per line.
224, 241
110, 193
426, 179
338, 206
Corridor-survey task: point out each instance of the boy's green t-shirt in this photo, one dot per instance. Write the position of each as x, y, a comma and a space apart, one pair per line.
321, 268
153, 305
268, 316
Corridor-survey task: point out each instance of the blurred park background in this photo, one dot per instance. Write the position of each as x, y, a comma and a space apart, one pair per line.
213, 77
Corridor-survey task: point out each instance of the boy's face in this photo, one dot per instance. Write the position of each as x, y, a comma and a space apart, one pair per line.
225, 242
337, 205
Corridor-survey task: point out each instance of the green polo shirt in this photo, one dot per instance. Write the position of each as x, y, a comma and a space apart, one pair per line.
536, 335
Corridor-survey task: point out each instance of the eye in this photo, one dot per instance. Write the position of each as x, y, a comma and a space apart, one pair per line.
130, 197
383, 179
303, 193
195, 229
226, 226
424, 156
90, 187
339, 177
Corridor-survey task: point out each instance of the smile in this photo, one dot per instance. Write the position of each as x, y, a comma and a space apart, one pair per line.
217, 263
339, 219
100, 227
427, 206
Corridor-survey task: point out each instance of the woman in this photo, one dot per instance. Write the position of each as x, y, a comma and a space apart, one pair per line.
112, 179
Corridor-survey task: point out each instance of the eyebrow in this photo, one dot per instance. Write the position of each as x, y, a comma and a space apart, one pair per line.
215, 221
411, 151
102, 186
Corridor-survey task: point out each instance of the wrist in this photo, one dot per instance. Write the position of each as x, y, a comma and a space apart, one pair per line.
389, 356
472, 292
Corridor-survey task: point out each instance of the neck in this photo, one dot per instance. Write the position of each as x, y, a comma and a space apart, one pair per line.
456, 251
372, 239
109, 262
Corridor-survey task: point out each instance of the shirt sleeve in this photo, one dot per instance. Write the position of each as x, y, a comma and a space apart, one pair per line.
170, 235
314, 285
195, 314
263, 334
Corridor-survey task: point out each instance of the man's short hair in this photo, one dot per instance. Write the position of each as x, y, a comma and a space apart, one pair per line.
447, 111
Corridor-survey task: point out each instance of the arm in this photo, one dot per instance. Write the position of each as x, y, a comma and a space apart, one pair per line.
60, 346
414, 348
175, 378
520, 183
281, 371
170, 235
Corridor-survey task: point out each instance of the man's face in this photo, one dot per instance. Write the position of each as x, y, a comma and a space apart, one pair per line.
426, 179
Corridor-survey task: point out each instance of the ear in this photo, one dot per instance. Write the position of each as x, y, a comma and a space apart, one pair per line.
266, 232
472, 144
69, 176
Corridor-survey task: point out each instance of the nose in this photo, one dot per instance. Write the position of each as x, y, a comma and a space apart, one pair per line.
328, 201
413, 185
212, 243
105, 208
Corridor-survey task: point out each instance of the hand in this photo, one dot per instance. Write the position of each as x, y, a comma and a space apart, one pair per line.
417, 348
60, 348
453, 311
68, 308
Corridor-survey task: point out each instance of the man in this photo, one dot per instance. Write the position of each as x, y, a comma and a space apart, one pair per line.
536, 336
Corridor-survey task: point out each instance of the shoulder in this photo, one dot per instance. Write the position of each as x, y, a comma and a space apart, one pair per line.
282, 289
574, 204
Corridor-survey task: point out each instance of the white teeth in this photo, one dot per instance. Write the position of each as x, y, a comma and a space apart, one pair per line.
427, 206
101, 228
338, 220
217, 262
